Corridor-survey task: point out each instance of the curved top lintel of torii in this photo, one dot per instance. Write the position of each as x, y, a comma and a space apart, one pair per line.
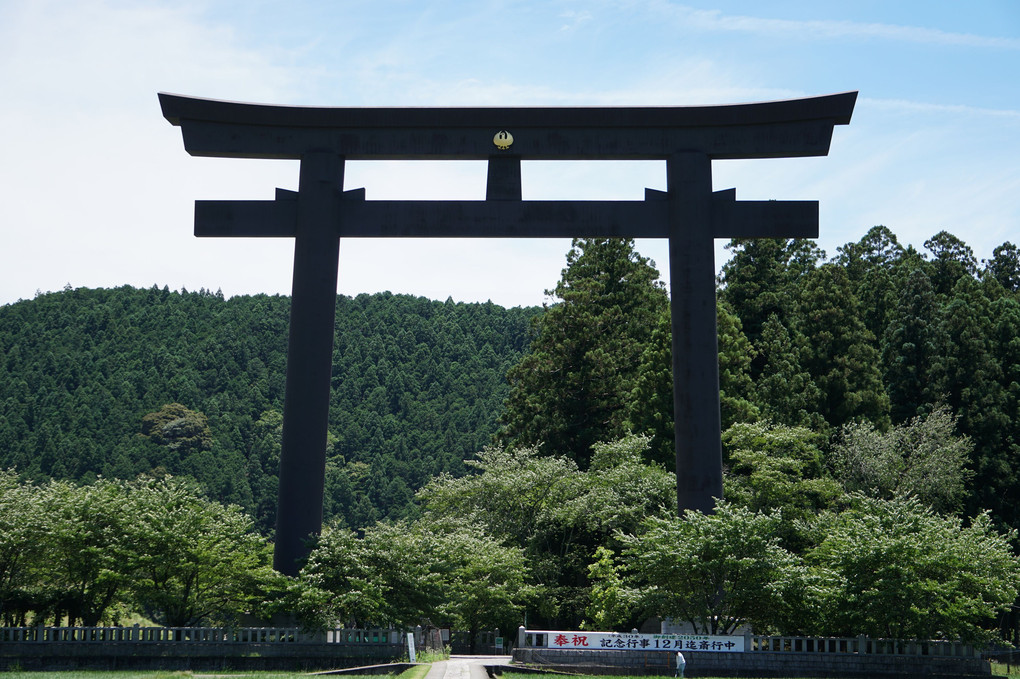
786, 128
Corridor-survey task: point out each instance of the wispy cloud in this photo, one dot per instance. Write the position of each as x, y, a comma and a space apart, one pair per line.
715, 20
572, 20
925, 107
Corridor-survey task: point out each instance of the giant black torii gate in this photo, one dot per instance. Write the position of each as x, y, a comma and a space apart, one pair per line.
688, 213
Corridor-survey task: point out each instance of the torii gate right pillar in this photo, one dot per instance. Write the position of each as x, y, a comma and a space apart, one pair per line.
696, 417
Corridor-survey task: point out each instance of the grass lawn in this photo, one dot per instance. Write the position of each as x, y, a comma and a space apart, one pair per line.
418, 672
413, 673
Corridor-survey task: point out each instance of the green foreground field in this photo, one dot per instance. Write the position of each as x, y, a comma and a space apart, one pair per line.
413, 673
419, 672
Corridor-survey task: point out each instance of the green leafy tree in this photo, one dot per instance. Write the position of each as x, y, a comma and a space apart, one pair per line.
716, 571
406, 573
486, 584
178, 429
556, 513
386, 577
522, 498
924, 458
611, 600
87, 550
23, 531
571, 390
193, 561
778, 468
896, 569
337, 585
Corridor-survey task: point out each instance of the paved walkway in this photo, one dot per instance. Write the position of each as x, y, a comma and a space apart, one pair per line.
465, 666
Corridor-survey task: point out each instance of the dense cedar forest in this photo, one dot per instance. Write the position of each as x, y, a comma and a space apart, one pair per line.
116, 383
91, 379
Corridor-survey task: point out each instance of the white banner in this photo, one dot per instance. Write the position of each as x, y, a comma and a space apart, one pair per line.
642, 642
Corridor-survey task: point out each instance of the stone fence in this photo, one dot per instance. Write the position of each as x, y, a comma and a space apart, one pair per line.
235, 635
752, 655
196, 648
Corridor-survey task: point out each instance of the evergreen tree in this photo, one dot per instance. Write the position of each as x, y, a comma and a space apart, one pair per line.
785, 392
873, 264
571, 390
762, 279
971, 376
651, 406
910, 349
736, 390
841, 354
416, 388
1004, 266
953, 260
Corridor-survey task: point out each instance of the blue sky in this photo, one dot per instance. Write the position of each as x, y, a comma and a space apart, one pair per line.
97, 191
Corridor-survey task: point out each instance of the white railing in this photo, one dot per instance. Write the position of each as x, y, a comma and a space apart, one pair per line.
753, 643
200, 635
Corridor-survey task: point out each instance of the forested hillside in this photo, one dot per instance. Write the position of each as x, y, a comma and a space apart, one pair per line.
122, 382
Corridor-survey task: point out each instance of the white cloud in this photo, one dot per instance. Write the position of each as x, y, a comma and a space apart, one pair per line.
574, 20
716, 20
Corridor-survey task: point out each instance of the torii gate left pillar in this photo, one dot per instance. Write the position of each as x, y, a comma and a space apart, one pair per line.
689, 214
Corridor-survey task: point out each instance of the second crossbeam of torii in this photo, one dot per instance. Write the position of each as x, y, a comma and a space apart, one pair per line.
320, 213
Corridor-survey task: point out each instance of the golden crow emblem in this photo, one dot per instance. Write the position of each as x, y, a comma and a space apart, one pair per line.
503, 140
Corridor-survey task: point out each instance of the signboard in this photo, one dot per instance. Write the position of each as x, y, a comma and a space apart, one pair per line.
643, 642
410, 647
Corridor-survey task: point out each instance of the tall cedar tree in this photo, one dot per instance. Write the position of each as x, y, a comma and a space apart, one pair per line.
953, 260
873, 264
651, 404
761, 280
1004, 266
910, 349
842, 357
784, 391
571, 391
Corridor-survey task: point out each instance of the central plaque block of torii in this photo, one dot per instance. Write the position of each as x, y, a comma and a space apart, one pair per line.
320, 213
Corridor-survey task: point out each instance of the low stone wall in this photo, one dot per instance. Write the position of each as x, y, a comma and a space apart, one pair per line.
755, 664
54, 656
